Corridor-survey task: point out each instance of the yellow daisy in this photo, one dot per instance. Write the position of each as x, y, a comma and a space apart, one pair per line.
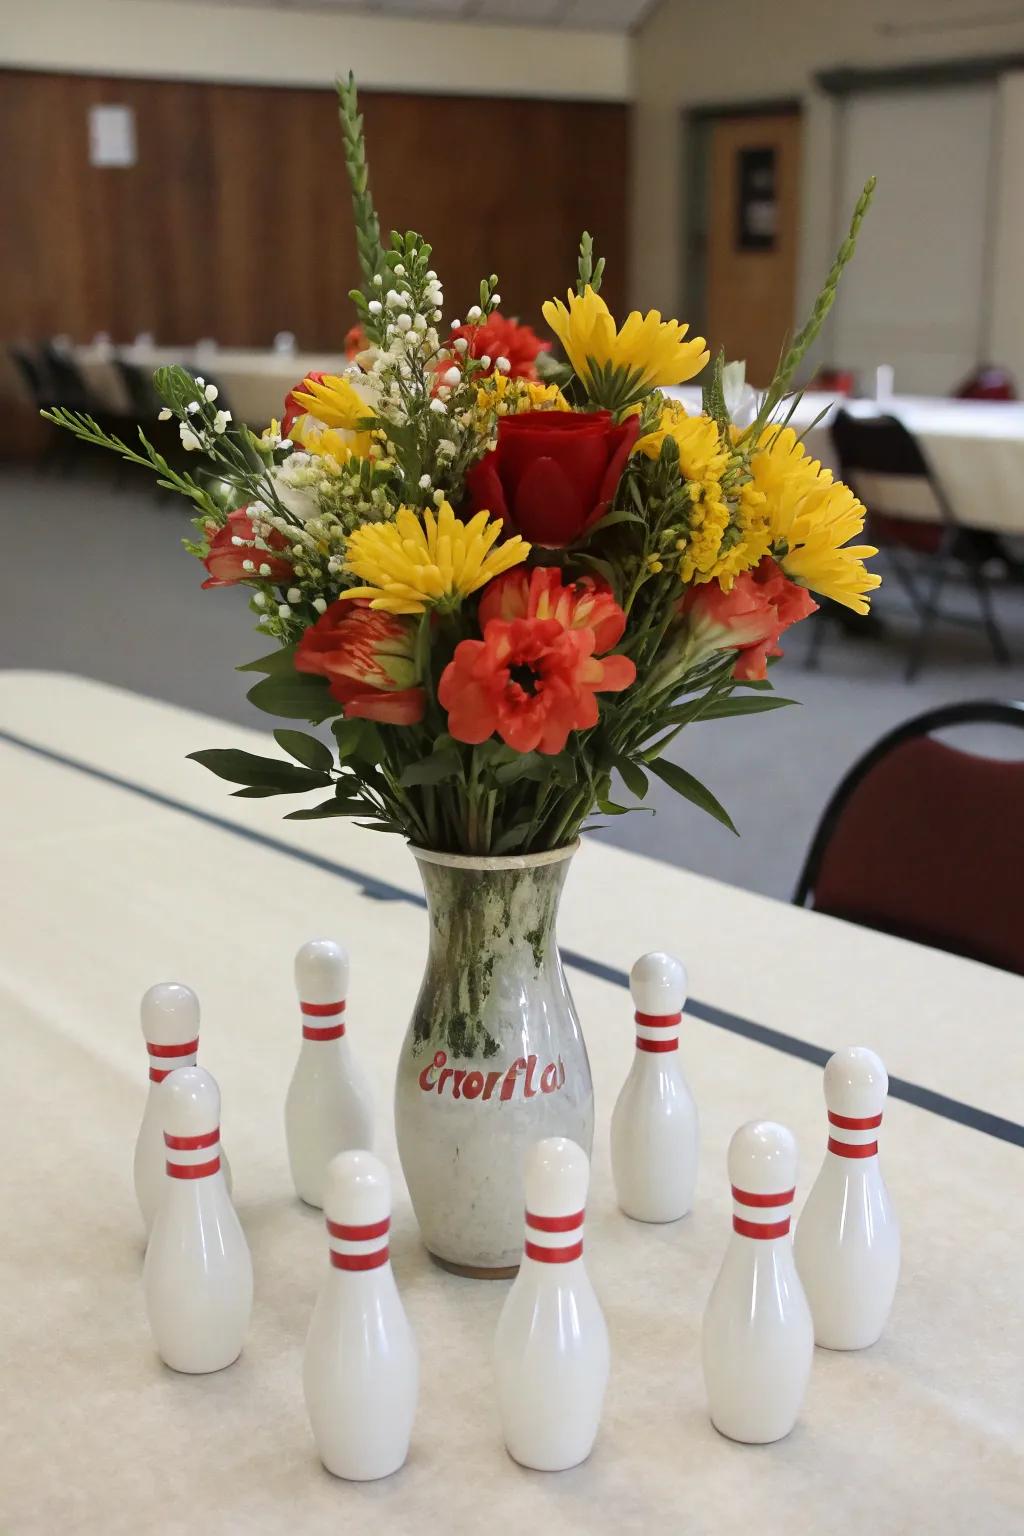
618, 367
420, 561
812, 518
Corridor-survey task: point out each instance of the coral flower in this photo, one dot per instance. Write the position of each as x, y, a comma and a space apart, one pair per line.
500, 336
368, 659
419, 562
619, 366
539, 594
748, 619
227, 559
532, 681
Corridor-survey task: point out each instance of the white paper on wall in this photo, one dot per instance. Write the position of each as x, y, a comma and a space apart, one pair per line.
112, 136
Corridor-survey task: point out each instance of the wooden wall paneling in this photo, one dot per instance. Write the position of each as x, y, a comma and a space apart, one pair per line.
235, 221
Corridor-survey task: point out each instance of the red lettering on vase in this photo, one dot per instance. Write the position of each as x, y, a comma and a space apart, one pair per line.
472, 1084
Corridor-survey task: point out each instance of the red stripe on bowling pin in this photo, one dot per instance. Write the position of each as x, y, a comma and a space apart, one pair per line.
763, 1230
164, 1052
657, 1021
193, 1144
323, 1011
554, 1253
852, 1148
363, 1234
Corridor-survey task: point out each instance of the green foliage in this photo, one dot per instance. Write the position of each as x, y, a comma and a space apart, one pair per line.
294, 696
822, 304
368, 242
306, 750
269, 775
589, 271
693, 790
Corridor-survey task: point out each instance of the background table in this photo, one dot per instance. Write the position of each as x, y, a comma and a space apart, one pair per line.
253, 382
975, 449
125, 864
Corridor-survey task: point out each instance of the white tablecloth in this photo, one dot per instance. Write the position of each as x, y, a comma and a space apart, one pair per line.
108, 887
975, 449
254, 383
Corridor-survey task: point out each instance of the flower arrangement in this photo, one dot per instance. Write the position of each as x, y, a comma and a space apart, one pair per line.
503, 580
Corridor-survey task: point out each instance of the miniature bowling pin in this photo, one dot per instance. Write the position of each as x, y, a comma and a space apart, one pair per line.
551, 1346
847, 1244
758, 1338
198, 1272
655, 1137
329, 1107
360, 1372
169, 1014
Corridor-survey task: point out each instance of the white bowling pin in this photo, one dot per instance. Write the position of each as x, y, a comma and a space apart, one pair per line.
848, 1237
758, 1338
169, 1014
360, 1372
551, 1346
329, 1107
198, 1272
655, 1135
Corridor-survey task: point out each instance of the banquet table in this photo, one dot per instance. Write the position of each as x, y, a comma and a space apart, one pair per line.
125, 864
975, 449
253, 381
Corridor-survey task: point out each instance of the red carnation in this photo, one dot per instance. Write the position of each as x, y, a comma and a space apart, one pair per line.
553, 473
749, 619
539, 594
499, 336
226, 558
368, 657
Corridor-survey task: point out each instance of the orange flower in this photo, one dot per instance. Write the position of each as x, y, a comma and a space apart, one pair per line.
501, 336
748, 619
369, 660
531, 680
539, 594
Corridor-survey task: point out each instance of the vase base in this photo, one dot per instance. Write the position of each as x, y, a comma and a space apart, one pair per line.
476, 1271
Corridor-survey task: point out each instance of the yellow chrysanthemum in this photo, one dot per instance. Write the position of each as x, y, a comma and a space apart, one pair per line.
812, 518
618, 367
332, 411
420, 561
702, 454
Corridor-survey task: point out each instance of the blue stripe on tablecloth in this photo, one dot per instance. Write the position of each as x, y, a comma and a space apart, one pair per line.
382, 890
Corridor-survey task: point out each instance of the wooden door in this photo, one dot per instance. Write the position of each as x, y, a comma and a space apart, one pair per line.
752, 238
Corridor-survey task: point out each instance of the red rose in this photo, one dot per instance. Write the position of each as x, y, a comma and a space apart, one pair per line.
749, 619
292, 409
225, 560
553, 473
500, 336
368, 657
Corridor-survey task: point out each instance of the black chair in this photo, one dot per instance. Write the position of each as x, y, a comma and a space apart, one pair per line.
926, 841
882, 445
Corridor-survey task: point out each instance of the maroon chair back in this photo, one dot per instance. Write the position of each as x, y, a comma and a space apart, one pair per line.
926, 841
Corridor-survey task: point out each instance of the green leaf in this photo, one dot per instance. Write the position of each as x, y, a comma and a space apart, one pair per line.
693, 790
305, 749
722, 709
609, 808
435, 769
632, 775
620, 515
512, 839
296, 697
263, 772
278, 663
332, 807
